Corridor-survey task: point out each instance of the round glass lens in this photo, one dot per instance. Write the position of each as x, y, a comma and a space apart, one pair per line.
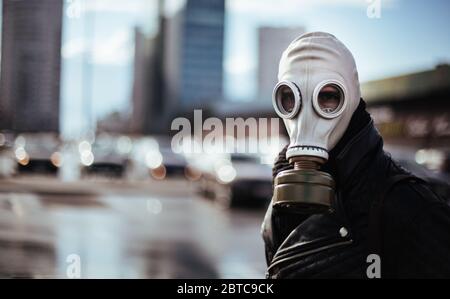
330, 98
286, 99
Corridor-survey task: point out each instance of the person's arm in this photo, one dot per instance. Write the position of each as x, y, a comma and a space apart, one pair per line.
278, 225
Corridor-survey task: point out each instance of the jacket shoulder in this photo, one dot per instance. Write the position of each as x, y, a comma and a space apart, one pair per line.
409, 200
416, 226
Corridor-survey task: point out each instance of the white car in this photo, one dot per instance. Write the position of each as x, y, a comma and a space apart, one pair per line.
239, 179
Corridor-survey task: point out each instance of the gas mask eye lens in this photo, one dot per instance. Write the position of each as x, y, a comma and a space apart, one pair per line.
329, 100
286, 99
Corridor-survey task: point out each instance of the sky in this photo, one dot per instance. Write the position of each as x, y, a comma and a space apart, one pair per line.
409, 36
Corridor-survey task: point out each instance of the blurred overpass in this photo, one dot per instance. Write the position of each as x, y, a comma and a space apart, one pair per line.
414, 109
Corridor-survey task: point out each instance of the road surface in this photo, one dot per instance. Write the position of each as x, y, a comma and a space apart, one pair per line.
50, 229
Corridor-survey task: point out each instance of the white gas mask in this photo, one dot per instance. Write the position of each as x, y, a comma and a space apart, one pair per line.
317, 93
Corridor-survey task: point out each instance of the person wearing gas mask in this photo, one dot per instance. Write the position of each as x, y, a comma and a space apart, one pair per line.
341, 206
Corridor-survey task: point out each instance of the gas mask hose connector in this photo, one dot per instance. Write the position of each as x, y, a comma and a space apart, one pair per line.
306, 164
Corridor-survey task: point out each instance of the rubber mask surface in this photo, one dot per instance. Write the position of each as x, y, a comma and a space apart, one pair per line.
317, 93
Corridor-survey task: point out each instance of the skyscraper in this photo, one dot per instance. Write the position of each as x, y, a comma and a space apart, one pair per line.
30, 65
272, 42
146, 96
194, 53
148, 112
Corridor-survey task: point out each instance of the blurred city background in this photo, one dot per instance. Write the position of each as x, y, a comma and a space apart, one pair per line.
88, 91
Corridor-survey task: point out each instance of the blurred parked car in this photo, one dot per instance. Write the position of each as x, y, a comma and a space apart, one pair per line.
103, 158
174, 164
37, 153
240, 179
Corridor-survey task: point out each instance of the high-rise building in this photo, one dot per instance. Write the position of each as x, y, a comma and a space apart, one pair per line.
30, 65
146, 97
272, 42
193, 63
148, 113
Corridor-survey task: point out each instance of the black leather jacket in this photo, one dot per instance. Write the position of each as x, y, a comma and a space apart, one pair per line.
415, 223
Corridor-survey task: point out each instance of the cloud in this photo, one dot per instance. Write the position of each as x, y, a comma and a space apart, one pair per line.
239, 65
172, 6
120, 6
116, 49
72, 48
281, 7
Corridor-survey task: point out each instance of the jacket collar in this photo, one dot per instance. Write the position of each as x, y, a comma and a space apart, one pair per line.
352, 155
